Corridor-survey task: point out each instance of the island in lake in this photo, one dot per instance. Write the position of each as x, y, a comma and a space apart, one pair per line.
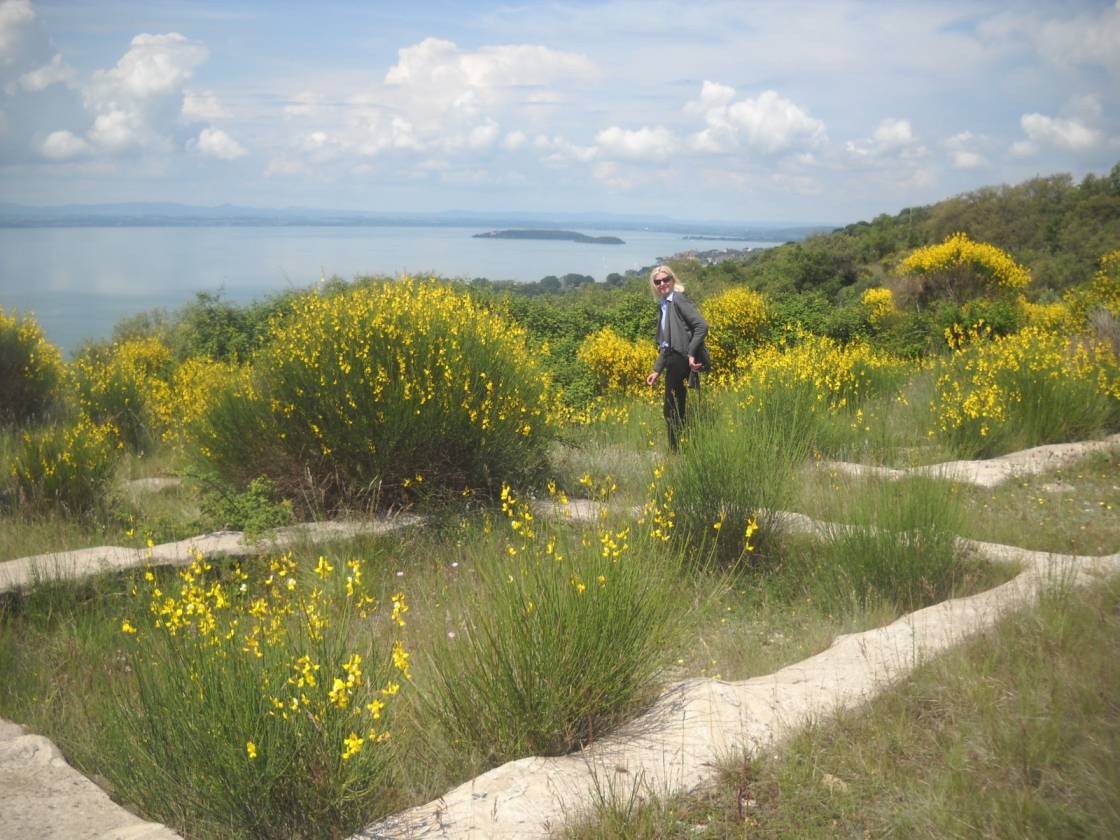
567, 235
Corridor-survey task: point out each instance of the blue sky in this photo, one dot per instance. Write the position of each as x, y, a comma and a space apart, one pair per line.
816, 112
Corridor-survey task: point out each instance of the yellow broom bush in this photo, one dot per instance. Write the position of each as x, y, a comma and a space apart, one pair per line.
30, 369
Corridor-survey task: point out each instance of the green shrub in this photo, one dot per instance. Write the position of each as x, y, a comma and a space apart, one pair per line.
564, 636
259, 701
30, 370
68, 466
380, 389
252, 510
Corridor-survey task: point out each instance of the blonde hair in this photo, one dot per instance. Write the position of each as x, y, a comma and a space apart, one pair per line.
664, 269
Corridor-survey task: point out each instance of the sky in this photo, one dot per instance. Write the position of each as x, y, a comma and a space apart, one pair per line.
814, 112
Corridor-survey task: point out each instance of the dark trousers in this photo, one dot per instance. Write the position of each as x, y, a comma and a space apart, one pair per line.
675, 373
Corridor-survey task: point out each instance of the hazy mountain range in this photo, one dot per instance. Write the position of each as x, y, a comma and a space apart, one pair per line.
172, 215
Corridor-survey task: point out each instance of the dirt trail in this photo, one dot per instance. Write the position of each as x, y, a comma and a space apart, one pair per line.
86, 562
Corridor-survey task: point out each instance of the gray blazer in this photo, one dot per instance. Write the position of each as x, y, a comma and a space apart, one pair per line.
687, 329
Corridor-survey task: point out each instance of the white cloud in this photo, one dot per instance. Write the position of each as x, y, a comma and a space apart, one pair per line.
134, 105
441, 99
893, 133
607, 172
514, 140
564, 150
642, 144
203, 106
446, 92
49, 74
14, 16
893, 137
769, 123
483, 136
317, 141
963, 150
379, 135
968, 160
435, 62
1082, 39
1042, 130
117, 130
153, 66
60, 145
215, 143
712, 95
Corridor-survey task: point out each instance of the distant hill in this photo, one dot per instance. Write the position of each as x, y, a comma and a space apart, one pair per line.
1057, 228
176, 215
536, 233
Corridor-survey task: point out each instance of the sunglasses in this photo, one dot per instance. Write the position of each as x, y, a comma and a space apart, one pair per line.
661, 281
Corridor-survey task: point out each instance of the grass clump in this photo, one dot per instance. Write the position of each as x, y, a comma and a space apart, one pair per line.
373, 391
893, 542
569, 631
253, 703
735, 470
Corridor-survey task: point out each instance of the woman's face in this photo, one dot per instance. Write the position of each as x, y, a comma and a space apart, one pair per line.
663, 283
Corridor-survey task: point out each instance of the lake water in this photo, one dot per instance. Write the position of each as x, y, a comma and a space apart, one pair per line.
80, 281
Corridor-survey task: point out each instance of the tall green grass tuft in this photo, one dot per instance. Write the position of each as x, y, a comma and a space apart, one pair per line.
566, 634
735, 469
262, 701
892, 542
380, 392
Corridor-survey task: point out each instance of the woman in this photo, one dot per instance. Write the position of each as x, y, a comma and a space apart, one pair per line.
680, 339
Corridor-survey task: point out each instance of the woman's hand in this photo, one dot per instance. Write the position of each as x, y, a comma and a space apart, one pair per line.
692, 363
651, 378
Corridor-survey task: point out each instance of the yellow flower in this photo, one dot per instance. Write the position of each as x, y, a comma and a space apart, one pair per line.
338, 695
126, 627
400, 659
251, 749
353, 745
324, 568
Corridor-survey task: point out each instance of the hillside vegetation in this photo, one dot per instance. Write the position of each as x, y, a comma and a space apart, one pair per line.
302, 694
